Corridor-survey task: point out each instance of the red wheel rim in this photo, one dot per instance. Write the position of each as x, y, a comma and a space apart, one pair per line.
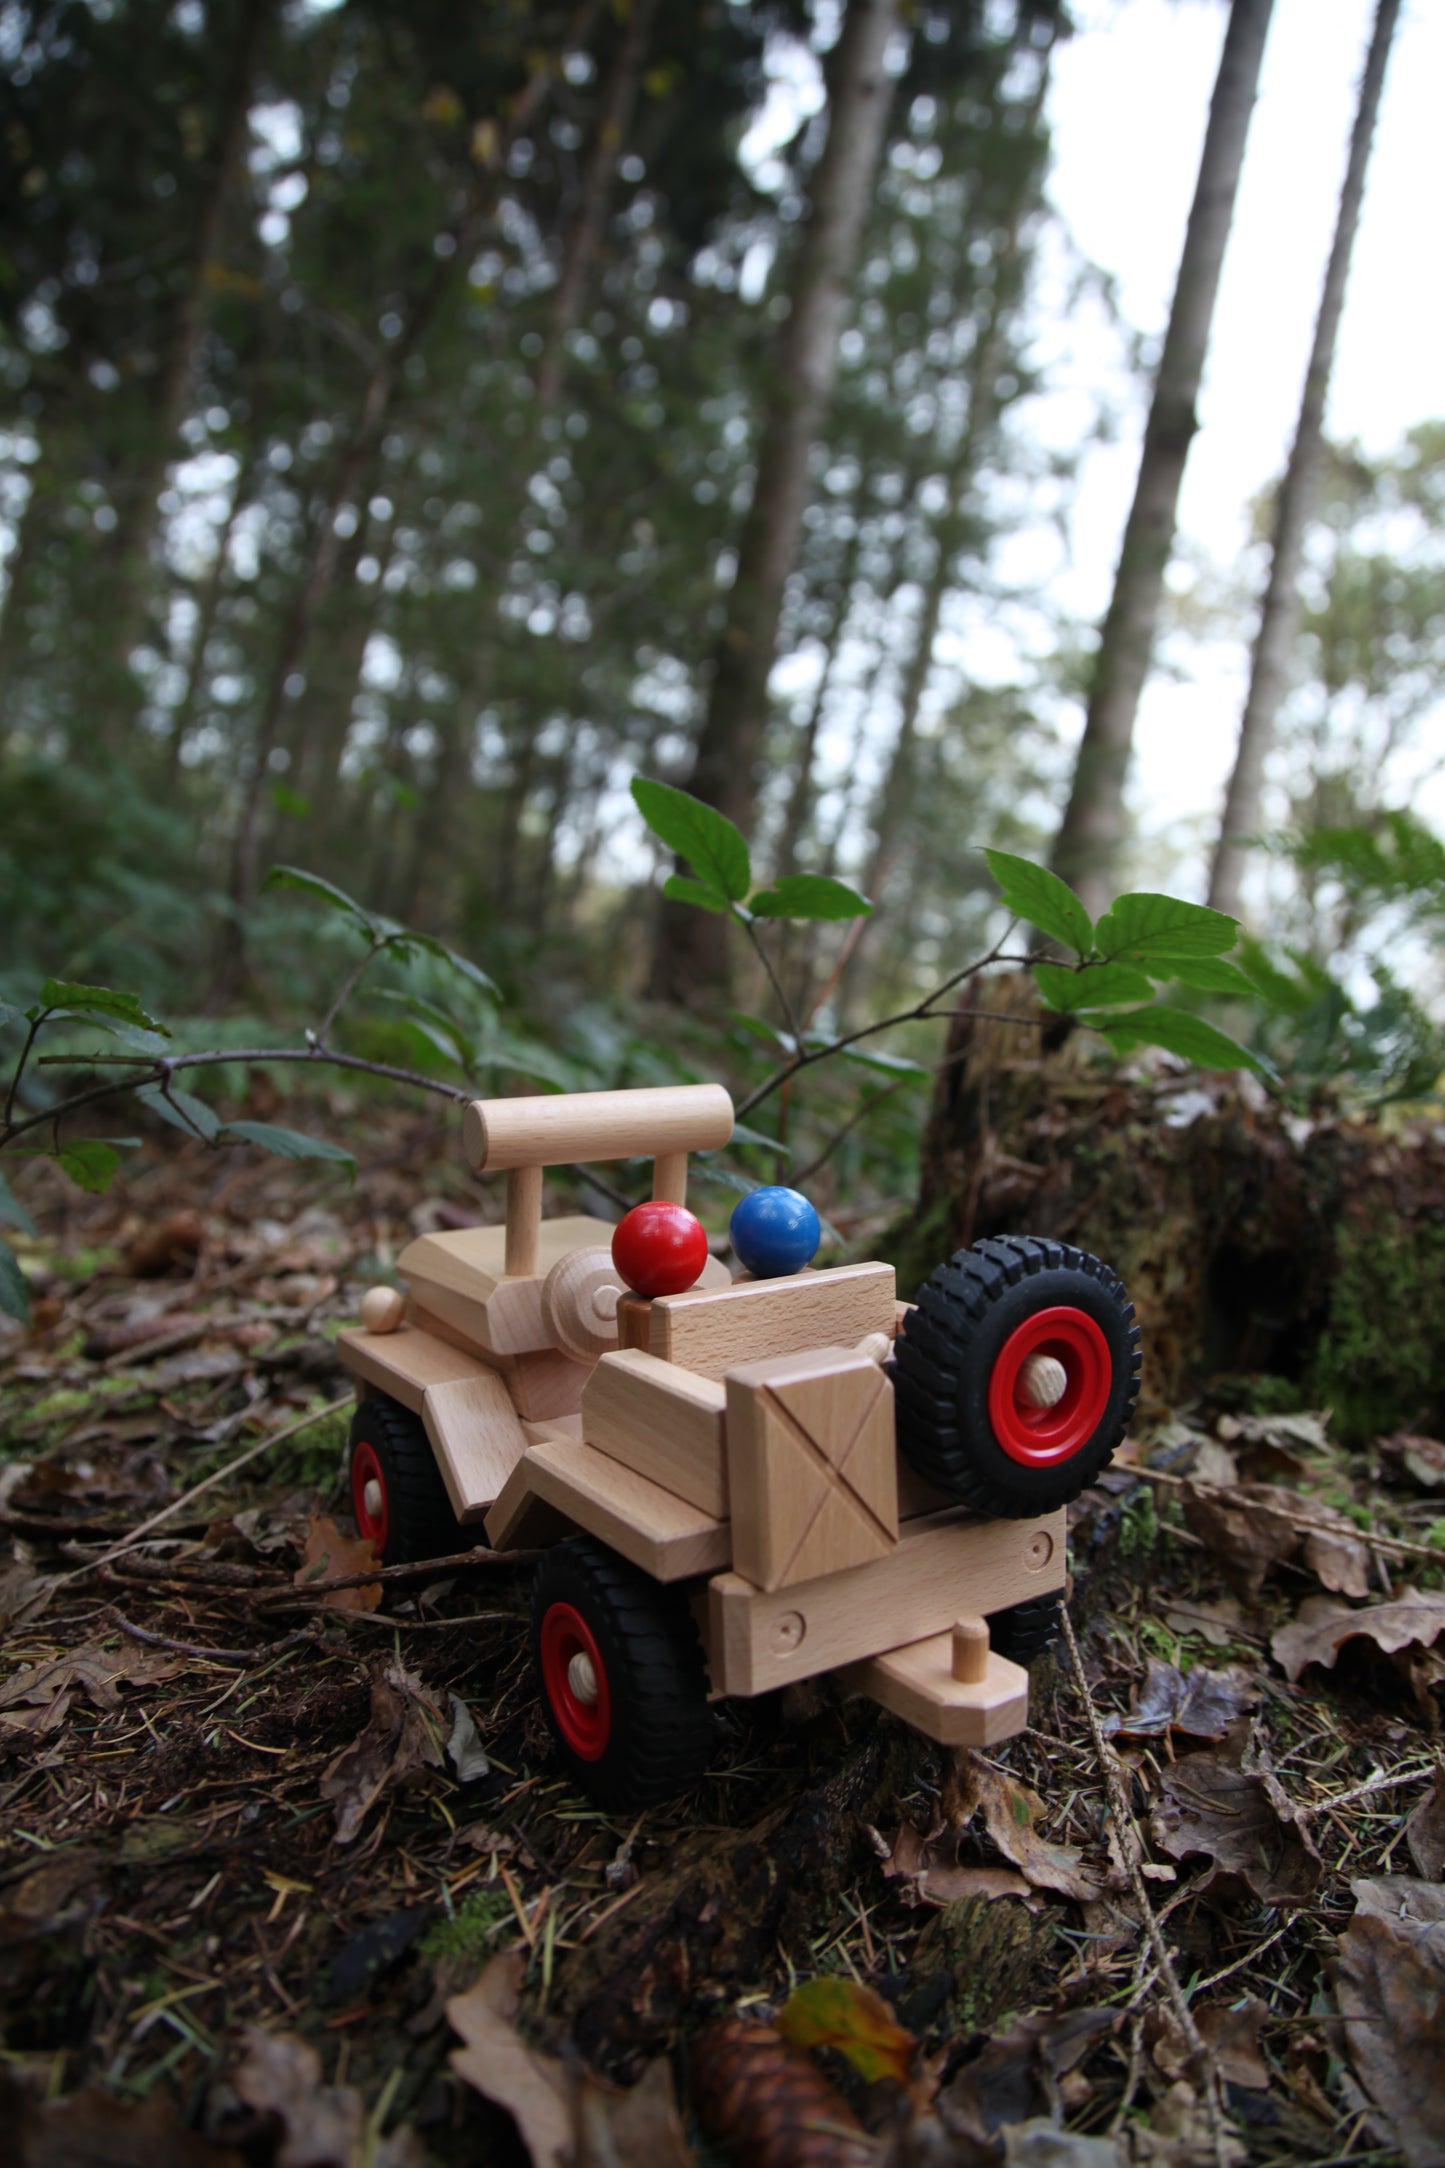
366, 1468
1041, 1437
585, 1725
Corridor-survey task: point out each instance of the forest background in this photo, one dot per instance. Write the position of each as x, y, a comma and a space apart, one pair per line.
390, 398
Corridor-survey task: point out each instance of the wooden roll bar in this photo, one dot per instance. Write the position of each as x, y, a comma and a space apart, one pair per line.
525, 1135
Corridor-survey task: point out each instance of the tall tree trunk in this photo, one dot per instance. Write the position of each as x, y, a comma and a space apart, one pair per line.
614, 118
208, 609
1280, 612
1087, 846
691, 952
140, 513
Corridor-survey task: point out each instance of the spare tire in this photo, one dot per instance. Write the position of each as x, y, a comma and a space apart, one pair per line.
1016, 1375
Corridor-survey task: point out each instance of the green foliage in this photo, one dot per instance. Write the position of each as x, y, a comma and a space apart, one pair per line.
91, 1163
1380, 1363
1142, 938
469, 1936
1041, 899
14, 1293
717, 851
290, 1143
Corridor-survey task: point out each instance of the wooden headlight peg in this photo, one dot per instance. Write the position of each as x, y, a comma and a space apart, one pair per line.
970, 1650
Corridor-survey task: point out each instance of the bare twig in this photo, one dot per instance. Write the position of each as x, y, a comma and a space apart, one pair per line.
219, 1656
924, 1010
416, 1570
1131, 1850
177, 1505
1302, 1521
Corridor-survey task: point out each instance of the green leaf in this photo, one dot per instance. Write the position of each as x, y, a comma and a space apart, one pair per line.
289, 1143
12, 1211
682, 889
873, 1057
845, 2015
1180, 1033
91, 1164
1146, 928
1040, 897
524, 1057
436, 1026
1210, 975
183, 1110
403, 941
293, 803
743, 1135
14, 1292
311, 884
762, 1029
1294, 994
95, 1002
1063, 988
707, 839
809, 895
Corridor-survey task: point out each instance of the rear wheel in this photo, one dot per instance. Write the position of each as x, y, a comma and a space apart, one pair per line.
397, 1492
1016, 1375
623, 1678
1026, 1631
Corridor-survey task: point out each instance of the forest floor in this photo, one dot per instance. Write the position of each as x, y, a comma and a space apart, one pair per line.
288, 1874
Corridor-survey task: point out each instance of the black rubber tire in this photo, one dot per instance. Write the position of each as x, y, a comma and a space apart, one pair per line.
944, 1358
662, 1732
1026, 1631
420, 1520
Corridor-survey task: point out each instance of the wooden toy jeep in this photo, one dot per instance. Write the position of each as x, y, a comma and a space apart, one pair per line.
749, 1483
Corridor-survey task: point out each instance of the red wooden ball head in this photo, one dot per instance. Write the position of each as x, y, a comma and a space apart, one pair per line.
659, 1248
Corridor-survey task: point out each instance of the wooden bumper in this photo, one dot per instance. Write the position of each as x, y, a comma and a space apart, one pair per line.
917, 1683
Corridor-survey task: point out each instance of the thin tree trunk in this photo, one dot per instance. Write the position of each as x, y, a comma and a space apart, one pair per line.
1087, 846
800, 798
614, 118
326, 541
140, 519
691, 952
207, 610
1280, 612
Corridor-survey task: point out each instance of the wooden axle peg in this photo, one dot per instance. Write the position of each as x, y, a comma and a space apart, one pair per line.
970, 1650
381, 1309
1043, 1381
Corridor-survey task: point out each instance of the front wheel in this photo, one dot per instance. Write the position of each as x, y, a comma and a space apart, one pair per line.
1016, 1375
623, 1678
397, 1492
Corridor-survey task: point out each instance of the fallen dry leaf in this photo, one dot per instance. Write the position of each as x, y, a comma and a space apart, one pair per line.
322, 2126
1253, 1527
1229, 2031
96, 1672
1324, 1625
1425, 1832
566, 2119
1014, 2078
1009, 1810
402, 1739
1216, 1623
1421, 1459
1390, 1986
93, 2130
928, 1868
465, 1751
24, 1593
1238, 1816
1202, 1705
1180, 2134
328, 1556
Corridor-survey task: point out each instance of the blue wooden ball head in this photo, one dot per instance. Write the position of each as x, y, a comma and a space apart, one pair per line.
775, 1231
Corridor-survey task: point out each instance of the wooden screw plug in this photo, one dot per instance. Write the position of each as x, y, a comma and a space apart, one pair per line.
970, 1651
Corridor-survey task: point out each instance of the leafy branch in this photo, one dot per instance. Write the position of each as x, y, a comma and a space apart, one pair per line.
150, 1070
1108, 984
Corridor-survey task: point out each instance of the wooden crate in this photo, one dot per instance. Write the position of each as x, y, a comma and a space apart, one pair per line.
812, 1465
